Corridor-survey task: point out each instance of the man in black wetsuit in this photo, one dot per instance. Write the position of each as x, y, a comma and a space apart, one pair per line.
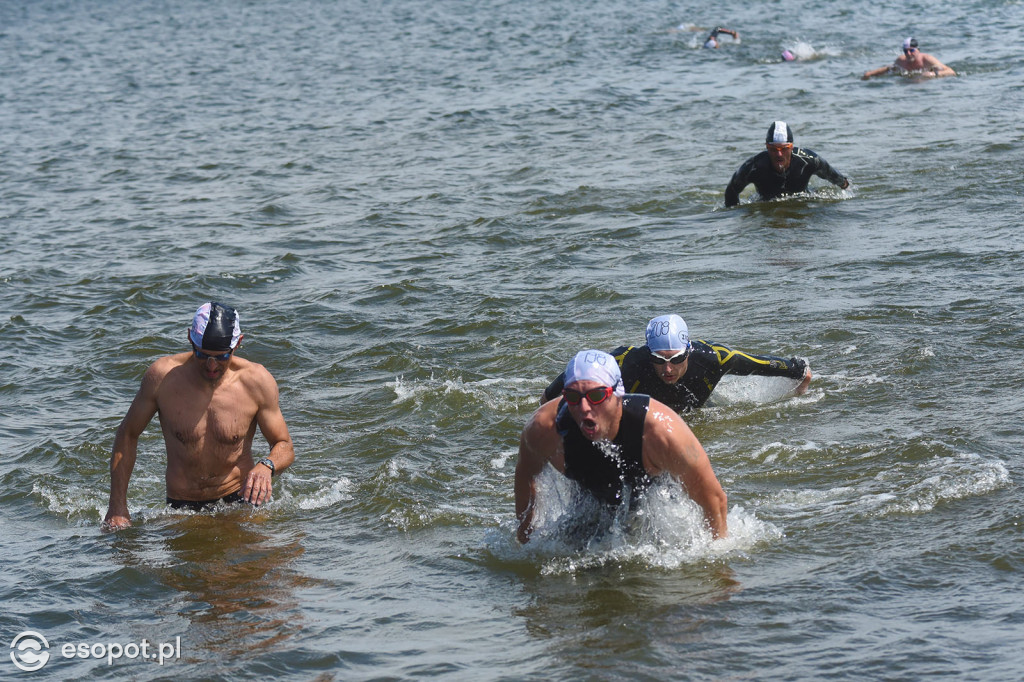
682, 373
612, 444
781, 169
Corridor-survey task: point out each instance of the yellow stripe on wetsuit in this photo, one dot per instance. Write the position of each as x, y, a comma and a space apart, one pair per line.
729, 353
620, 358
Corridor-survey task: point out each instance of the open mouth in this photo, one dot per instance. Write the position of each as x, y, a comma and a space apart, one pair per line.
589, 427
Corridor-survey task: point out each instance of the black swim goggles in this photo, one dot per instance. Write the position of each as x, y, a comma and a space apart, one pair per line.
203, 357
677, 359
594, 396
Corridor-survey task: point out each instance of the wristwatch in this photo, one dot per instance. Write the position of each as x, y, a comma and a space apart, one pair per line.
269, 463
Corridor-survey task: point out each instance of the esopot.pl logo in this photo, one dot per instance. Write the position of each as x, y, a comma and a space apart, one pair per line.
29, 651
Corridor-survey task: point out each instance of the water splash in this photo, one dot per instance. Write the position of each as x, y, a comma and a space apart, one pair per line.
572, 532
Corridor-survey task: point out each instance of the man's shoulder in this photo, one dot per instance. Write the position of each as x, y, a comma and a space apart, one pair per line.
704, 347
661, 419
707, 354
805, 153
163, 365
623, 352
540, 427
629, 355
252, 374
757, 160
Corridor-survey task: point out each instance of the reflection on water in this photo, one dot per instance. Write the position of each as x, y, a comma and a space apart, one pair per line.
234, 575
617, 616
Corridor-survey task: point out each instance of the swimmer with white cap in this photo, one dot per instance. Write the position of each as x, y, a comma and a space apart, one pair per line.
682, 373
210, 403
912, 62
613, 444
781, 169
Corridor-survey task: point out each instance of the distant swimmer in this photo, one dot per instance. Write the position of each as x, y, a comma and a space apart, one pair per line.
781, 169
613, 444
712, 41
912, 63
682, 373
210, 402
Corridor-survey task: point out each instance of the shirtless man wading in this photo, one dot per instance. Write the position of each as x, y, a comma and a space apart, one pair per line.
210, 402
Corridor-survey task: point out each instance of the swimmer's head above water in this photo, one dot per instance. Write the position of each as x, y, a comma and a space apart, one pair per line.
215, 327
595, 365
668, 340
779, 143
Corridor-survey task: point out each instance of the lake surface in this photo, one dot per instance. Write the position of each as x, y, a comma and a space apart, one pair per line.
422, 211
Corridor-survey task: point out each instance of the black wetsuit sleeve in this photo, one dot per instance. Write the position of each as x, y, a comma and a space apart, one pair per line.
826, 172
740, 179
554, 389
743, 364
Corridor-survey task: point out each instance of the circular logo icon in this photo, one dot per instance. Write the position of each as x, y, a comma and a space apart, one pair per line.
29, 651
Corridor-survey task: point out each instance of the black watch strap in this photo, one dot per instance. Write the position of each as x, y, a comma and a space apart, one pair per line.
269, 463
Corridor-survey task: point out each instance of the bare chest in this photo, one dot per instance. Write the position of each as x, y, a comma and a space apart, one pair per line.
223, 421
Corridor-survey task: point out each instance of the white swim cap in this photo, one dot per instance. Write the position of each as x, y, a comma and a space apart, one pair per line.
667, 332
779, 133
595, 365
909, 42
215, 327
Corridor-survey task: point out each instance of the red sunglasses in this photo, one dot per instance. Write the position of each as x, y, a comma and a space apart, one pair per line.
594, 396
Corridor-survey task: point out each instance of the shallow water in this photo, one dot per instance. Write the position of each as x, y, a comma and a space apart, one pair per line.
421, 213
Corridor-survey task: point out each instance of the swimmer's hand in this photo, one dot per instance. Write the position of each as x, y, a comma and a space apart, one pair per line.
257, 488
804, 383
115, 522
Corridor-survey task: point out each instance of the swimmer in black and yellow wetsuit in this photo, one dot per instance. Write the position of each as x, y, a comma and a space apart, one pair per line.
608, 440
781, 169
682, 373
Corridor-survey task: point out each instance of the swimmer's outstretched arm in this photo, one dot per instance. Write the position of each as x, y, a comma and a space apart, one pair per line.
880, 71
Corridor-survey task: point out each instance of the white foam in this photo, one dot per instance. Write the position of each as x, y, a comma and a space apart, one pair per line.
666, 530
336, 492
